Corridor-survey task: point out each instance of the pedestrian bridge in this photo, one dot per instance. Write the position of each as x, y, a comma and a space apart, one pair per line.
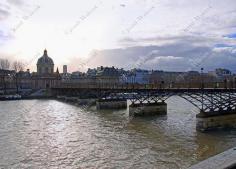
217, 105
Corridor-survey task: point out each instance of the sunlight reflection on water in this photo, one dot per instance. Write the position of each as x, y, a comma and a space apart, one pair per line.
52, 134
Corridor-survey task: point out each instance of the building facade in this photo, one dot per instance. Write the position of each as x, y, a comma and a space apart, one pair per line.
45, 64
64, 69
45, 77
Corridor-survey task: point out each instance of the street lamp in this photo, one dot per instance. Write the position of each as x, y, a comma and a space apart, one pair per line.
202, 85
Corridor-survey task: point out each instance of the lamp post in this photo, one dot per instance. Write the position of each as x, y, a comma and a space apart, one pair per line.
4, 83
202, 85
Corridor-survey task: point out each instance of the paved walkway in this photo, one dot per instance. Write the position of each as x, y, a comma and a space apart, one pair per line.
225, 160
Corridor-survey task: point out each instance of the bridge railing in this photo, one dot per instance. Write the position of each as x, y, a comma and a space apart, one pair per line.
146, 86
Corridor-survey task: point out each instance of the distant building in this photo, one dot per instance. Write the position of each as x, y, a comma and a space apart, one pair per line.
108, 75
24, 79
65, 77
159, 76
45, 77
223, 72
76, 75
64, 69
193, 73
6, 79
138, 76
81, 79
91, 72
45, 64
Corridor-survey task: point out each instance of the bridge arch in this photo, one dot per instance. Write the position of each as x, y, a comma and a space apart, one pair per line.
204, 101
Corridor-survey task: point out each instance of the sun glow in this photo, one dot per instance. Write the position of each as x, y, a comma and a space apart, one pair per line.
30, 41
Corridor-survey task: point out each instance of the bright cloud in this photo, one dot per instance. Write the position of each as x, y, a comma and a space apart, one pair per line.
122, 32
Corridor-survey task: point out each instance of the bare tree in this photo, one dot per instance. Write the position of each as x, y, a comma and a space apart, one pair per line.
17, 66
4, 64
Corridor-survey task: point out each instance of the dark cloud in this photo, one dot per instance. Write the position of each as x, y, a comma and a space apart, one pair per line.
3, 13
16, 2
183, 54
172, 39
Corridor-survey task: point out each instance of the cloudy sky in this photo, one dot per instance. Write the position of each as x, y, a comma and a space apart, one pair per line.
170, 35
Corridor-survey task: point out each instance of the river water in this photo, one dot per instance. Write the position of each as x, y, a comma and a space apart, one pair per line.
52, 134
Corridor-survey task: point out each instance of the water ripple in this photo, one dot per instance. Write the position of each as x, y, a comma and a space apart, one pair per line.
52, 134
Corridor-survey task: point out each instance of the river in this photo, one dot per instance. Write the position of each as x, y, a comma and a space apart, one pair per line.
52, 134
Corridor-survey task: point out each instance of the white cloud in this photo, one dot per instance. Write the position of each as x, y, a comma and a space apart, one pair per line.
100, 24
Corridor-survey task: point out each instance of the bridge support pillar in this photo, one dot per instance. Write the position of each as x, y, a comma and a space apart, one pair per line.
148, 109
67, 99
208, 122
111, 104
78, 101
89, 102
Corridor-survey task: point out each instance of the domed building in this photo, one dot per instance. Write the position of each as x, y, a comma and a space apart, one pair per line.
45, 64
45, 77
